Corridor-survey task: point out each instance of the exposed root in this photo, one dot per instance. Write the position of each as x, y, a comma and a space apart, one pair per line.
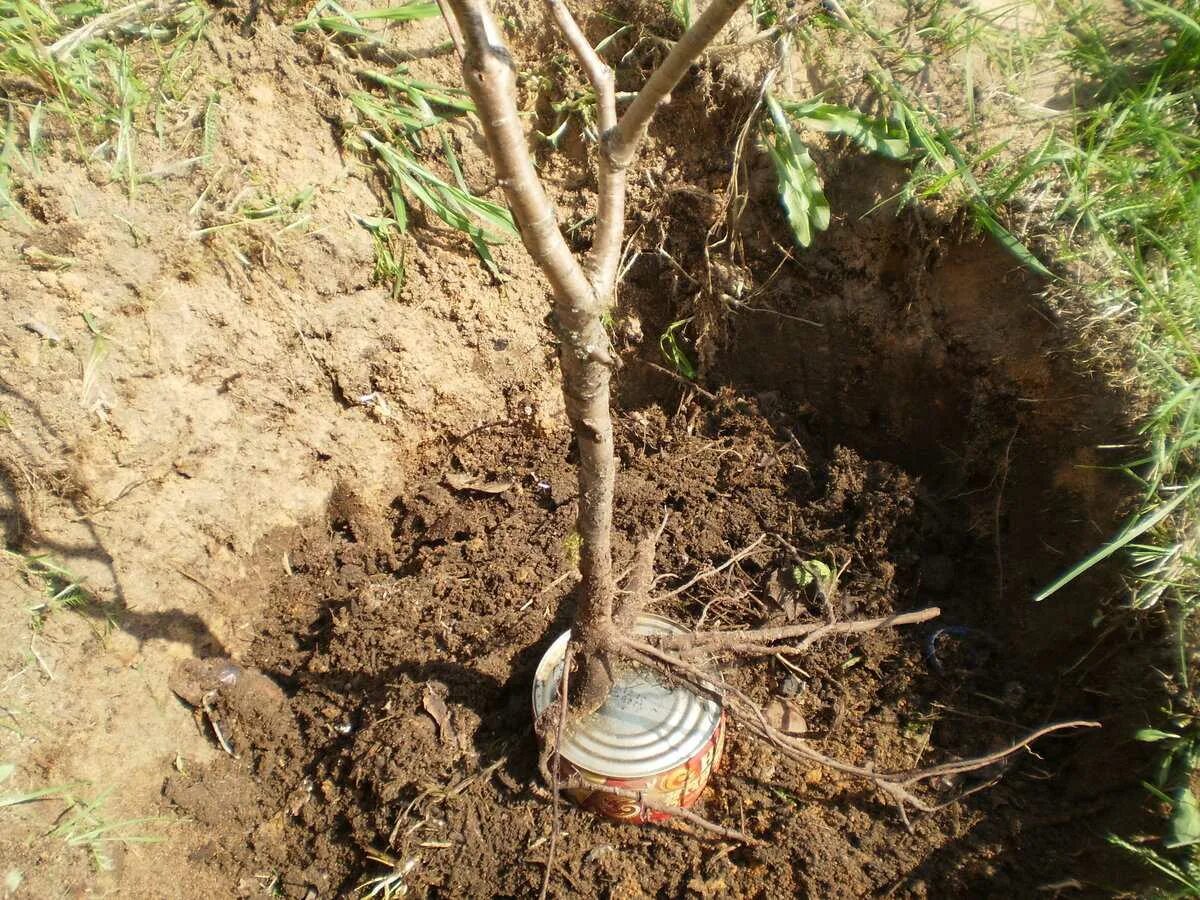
683, 657
761, 641
742, 709
636, 592
716, 570
550, 750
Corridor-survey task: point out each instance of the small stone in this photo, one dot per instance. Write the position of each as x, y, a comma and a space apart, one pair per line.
812, 776
596, 852
786, 716
1013, 695
791, 687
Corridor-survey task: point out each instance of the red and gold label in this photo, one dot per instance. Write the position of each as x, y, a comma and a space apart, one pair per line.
680, 786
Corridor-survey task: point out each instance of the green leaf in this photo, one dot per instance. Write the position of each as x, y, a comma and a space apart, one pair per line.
683, 12
405, 12
425, 91
1150, 735
799, 185
449, 202
810, 571
672, 349
985, 218
1183, 829
347, 22
1161, 11
885, 138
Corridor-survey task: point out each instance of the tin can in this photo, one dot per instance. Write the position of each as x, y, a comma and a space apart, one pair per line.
659, 739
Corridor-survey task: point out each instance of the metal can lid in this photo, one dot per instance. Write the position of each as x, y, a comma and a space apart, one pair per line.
645, 727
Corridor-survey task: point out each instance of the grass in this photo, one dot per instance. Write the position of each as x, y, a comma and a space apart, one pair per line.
287, 212
1133, 195
402, 128
62, 590
74, 72
83, 824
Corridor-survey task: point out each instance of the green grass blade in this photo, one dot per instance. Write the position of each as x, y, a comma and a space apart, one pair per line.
1127, 536
1161, 11
33, 796
412, 11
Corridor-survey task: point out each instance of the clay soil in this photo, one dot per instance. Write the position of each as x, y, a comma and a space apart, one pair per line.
367, 588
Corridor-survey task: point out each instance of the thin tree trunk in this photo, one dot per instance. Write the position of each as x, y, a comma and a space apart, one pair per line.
581, 293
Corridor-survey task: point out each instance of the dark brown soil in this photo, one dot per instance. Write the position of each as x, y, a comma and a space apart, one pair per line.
474, 597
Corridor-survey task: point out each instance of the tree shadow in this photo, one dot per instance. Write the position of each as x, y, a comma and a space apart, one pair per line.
23, 538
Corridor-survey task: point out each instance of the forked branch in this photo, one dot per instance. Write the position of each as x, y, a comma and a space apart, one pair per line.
581, 297
601, 264
620, 139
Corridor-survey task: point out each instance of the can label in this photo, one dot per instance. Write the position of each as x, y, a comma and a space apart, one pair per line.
680, 787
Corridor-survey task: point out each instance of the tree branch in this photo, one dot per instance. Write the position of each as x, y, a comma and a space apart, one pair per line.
584, 353
491, 79
632, 125
596, 70
452, 27
601, 264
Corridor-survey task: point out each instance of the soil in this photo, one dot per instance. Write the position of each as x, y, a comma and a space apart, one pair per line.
331, 567
470, 604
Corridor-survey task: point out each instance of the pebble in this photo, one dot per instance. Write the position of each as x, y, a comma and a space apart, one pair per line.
1013, 695
791, 687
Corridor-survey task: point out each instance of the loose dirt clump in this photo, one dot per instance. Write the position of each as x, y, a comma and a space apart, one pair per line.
411, 687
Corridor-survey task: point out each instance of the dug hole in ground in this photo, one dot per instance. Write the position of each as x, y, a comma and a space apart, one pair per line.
387, 574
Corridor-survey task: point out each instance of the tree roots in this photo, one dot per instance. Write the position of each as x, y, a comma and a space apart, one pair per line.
684, 657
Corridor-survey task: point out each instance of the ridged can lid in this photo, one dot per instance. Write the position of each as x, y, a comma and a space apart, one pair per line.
646, 726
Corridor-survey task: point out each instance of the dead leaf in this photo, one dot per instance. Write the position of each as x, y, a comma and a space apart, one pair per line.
785, 715
462, 481
433, 704
782, 594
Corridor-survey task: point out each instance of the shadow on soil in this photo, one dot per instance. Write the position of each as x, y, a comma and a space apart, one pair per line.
21, 536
